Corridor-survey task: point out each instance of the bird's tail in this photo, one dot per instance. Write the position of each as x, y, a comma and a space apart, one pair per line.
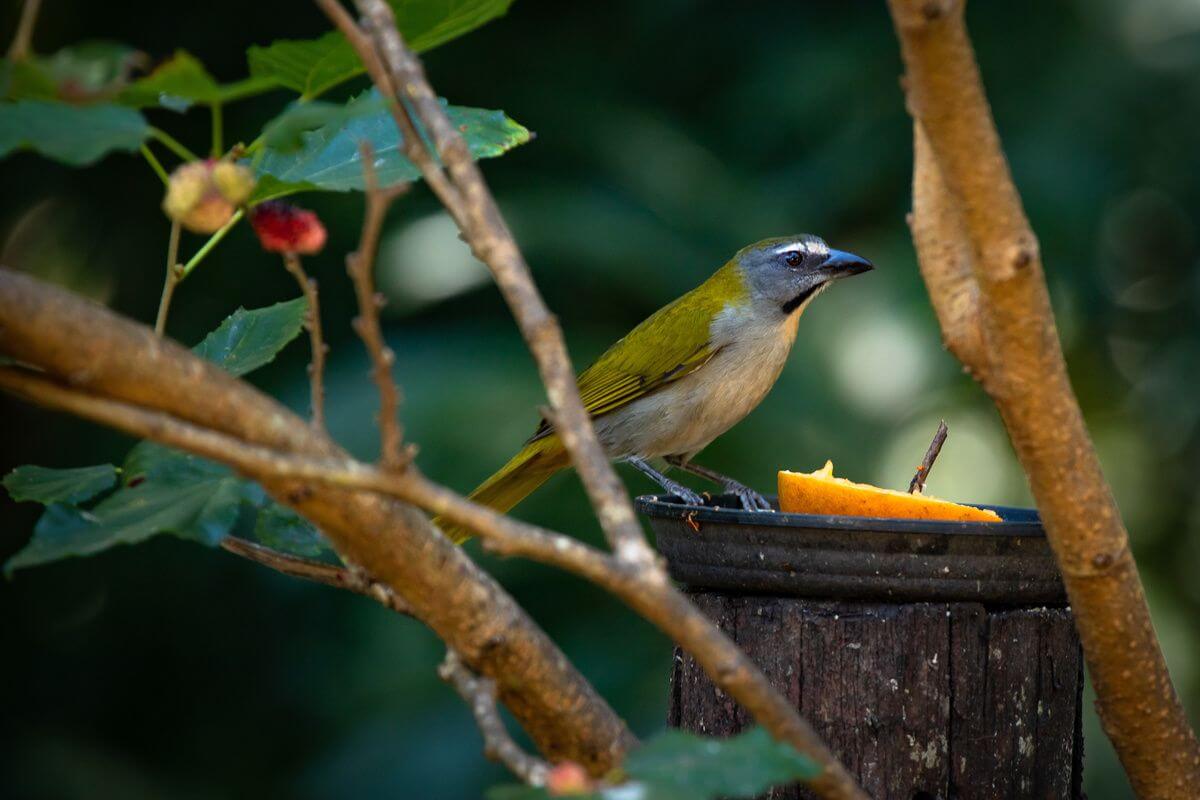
513, 482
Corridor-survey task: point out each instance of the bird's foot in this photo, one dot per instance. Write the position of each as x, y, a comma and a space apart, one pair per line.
682, 492
750, 499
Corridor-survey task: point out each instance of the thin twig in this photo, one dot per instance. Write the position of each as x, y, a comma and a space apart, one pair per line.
470, 203
170, 281
312, 321
360, 265
308, 569
22, 47
917, 484
480, 696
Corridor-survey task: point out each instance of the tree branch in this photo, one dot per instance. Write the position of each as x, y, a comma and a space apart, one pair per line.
917, 484
307, 569
170, 280
1025, 374
649, 593
90, 350
360, 265
21, 47
944, 257
463, 191
480, 696
312, 321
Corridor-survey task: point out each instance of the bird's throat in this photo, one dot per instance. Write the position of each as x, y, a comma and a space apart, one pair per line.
799, 300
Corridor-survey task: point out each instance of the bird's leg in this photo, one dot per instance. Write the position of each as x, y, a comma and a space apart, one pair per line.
751, 500
678, 489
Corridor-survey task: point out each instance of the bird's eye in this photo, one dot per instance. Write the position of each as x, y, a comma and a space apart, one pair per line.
794, 258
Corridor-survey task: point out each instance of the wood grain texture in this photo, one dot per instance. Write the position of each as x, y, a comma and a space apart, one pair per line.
919, 701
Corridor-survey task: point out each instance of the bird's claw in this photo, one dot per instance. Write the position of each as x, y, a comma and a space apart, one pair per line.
750, 499
684, 493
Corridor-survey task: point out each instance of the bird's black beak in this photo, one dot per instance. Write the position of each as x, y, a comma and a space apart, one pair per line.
840, 264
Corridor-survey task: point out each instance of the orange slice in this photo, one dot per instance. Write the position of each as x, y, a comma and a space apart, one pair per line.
820, 493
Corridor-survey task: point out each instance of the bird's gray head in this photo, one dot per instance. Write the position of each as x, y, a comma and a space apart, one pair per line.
788, 271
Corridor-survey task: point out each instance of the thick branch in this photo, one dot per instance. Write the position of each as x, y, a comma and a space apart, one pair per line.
480, 696
944, 257
1026, 376
646, 591
94, 351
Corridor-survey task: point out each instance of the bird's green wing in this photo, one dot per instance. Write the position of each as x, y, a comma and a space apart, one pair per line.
670, 344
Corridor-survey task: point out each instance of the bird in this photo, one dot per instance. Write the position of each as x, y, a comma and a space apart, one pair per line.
687, 374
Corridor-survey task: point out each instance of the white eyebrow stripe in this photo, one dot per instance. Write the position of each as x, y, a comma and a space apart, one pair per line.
811, 247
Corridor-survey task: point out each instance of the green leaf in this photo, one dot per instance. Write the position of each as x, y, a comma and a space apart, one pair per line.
307, 66
683, 766
82, 73
75, 135
330, 158
165, 492
45, 485
281, 528
313, 66
247, 340
176, 84
676, 765
284, 134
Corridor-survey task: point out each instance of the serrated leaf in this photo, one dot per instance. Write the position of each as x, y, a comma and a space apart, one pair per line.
285, 133
247, 340
310, 67
282, 529
81, 73
45, 485
313, 66
165, 492
331, 159
175, 84
676, 765
75, 135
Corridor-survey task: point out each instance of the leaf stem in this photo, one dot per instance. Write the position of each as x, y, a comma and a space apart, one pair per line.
170, 281
173, 144
155, 165
212, 242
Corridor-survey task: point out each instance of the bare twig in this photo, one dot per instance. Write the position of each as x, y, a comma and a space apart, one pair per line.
463, 191
170, 280
21, 47
965, 174
308, 569
917, 484
312, 321
480, 696
360, 265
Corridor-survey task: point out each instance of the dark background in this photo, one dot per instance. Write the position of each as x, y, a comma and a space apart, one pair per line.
668, 135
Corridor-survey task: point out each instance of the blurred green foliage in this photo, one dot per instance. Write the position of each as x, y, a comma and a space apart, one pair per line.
668, 135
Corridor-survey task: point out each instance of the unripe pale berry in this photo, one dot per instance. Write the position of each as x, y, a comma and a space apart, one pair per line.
202, 195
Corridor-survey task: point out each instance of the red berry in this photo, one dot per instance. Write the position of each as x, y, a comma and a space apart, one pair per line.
284, 228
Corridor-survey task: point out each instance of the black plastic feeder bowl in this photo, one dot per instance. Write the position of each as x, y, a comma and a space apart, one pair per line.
719, 546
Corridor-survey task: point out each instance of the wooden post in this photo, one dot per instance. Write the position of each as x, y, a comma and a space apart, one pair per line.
937, 661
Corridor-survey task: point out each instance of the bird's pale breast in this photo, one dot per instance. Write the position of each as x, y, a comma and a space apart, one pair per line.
684, 416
